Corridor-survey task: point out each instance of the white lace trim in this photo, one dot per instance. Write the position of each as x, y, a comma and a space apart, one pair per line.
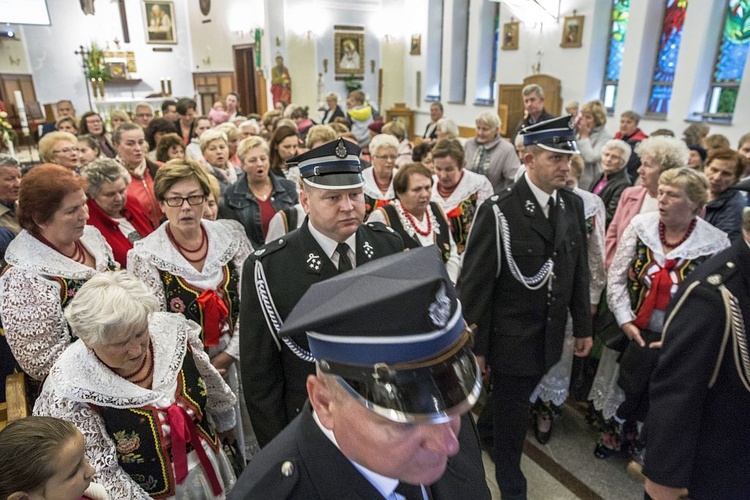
593, 206
470, 183
407, 225
705, 240
371, 188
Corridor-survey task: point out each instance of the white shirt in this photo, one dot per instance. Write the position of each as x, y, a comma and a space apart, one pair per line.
329, 246
541, 197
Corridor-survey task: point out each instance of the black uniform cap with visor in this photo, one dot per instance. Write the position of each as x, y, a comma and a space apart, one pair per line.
556, 135
334, 165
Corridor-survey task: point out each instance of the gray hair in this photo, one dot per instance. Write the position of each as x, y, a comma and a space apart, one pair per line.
110, 308
210, 136
489, 118
447, 126
622, 146
8, 161
250, 123
668, 152
382, 141
144, 105
533, 87
102, 171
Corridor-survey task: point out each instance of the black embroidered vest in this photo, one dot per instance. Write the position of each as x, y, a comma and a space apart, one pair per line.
442, 240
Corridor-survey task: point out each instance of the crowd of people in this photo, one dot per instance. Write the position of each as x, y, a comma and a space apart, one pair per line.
158, 282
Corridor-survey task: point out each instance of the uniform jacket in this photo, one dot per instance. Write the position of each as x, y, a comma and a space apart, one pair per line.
698, 436
519, 330
610, 195
273, 376
238, 203
319, 471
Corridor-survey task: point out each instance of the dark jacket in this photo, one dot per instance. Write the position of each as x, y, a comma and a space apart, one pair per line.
610, 195
698, 436
239, 203
273, 377
725, 212
527, 121
329, 115
320, 471
521, 331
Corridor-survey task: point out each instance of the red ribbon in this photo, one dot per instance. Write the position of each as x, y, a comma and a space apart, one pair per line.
658, 296
381, 203
214, 311
456, 212
182, 431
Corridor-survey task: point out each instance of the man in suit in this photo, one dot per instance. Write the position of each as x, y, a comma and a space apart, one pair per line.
533, 106
436, 113
64, 109
532, 239
388, 410
697, 423
331, 240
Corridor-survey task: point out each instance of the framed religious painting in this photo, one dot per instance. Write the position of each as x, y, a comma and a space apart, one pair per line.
416, 45
510, 36
349, 53
572, 32
159, 20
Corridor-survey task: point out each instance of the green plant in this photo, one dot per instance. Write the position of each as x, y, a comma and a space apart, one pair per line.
95, 64
352, 83
6, 129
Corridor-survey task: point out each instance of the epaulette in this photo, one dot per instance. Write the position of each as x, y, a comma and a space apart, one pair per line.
269, 248
380, 227
500, 196
279, 479
721, 275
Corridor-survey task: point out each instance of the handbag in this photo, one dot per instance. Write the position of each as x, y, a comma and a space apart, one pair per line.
606, 328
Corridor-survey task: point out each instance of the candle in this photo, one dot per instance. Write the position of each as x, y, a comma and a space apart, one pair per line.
93, 87
163, 88
101, 88
169, 86
21, 107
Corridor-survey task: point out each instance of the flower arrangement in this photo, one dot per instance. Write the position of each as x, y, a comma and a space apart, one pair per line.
6, 129
95, 64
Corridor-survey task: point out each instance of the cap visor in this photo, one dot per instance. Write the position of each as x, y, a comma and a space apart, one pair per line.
432, 391
336, 181
568, 148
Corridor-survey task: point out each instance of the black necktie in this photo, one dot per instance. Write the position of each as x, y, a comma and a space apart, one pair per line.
344, 263
410, 491
552, 212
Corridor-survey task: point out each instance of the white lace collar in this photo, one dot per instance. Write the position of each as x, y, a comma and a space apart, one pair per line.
470, 183
28, 253
223, 244
79, 376
705, 240
591, 202
371, 187
409, 227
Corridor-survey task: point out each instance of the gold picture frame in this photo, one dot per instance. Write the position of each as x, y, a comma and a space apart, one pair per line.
159, 22
416, 45
510, 36
349, 53
572, 35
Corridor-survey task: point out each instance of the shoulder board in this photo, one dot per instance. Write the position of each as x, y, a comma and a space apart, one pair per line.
721, 275
380, 227
279, 481
501, 195
269, 248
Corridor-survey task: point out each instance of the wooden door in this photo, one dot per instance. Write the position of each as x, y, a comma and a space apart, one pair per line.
212, 87
247, 83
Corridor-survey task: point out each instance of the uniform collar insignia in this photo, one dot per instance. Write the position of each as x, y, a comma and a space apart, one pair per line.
369, 251
530, 208
313, 262
560, 202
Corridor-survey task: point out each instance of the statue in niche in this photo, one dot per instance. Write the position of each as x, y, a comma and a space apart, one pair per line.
281, 82
87, 6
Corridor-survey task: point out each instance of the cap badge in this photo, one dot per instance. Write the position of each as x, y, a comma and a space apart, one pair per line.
440, 310
369, 251
340, 150
530, 207
313, 262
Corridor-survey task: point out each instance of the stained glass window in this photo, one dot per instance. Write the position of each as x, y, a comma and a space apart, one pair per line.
666, 57
495, 48
615, 51
734, 44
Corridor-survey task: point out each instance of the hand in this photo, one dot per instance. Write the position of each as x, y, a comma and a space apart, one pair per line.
222, 362
594, 309
633, 333
583, 130
655, 345
581, 347
228, 436
660, 492
482, 362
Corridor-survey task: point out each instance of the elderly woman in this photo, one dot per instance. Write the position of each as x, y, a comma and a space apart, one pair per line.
419, 221
283, 145
211, 210
233, 141
139, 386
446, 129
215, 151
194, 265
724, 168
88, 150
333, 110
170, 147
49, 260
657, 155
258, 194
379, 178
155, 130
405, 147
67, 124
92, 123
60, 148
591, 136
458, 191
490, 155
614, 179
657, 252
630, 133
118, 216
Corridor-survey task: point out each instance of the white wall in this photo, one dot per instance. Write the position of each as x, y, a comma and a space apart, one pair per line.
13, 57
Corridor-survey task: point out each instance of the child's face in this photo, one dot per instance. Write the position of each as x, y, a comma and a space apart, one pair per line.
218, 105
72, 472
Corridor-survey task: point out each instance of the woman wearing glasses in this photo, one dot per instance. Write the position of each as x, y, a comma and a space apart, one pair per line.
379, 178
60, 148
193, 265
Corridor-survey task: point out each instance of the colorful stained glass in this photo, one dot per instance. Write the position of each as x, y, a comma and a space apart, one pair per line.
735, 43
666, 59
620, 15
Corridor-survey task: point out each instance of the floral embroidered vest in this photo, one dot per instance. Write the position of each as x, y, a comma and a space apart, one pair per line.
442, 241
141, 446
182, 297
460, 219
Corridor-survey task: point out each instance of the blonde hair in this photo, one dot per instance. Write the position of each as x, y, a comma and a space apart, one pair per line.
252, 142
47, 143
693, 182
597, 110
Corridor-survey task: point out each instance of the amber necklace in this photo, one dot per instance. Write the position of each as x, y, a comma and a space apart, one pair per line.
184, 250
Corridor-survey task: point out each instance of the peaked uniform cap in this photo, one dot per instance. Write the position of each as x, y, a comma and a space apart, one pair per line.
334, 165
555, 135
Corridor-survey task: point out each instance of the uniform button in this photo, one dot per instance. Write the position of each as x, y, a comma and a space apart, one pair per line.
554, 254
287, 469
549, 319
528, 250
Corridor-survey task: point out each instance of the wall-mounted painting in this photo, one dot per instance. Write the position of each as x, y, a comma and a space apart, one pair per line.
572, 32
159, 19
416, 45
510, 36
349, 53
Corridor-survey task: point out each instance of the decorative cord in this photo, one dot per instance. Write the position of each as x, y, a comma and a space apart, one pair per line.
741, 354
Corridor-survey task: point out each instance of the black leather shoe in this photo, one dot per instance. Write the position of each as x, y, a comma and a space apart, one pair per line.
542, 437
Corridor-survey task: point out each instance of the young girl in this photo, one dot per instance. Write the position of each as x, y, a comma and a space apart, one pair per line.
43, 457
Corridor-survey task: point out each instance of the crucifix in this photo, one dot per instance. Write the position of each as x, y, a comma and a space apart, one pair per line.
124, 22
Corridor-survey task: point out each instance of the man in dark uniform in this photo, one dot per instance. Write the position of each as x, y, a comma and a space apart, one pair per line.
531, 238
388, 410
698, 422
331, 240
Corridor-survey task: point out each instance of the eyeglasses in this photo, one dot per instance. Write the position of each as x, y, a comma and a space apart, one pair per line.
178, 201
65, 150
385, 157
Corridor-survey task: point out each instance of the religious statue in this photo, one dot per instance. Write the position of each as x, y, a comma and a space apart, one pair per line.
281, 82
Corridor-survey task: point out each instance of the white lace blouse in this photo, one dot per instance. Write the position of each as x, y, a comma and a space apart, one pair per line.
30, 297
470, 183
78, 379
593, 206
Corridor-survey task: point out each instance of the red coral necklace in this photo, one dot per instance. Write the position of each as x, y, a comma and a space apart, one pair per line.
79, 253
184, 250
687, 234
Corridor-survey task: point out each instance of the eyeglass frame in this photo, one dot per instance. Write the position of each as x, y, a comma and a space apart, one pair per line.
169, 201
65, 150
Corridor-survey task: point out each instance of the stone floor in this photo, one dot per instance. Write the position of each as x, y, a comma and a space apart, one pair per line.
565, 468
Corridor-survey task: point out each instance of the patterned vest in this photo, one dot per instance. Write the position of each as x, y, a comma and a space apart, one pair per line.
460, 219
142, 449
441, 239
